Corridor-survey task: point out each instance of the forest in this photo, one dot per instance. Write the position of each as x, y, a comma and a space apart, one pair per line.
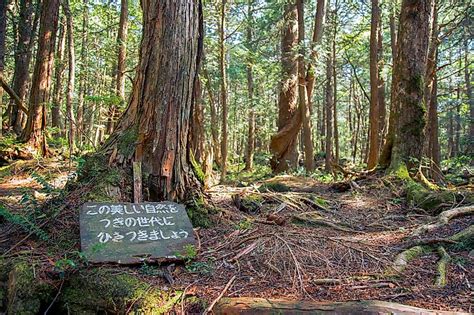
243, 157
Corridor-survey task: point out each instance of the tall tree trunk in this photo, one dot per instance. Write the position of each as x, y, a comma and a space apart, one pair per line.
22, 58
431, 99
224, 105
56, 120
71, 78
374, 140
34, 133
83, 75
158, 113
329, 110
470, 96
334, 85
214, 117
121, 56
386, 153
283, 143
302, 93
3, 29
381, 87
410, 69
250, 87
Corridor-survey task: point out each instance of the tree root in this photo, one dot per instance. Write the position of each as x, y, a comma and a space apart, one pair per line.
443, 219
442, 267
463, 240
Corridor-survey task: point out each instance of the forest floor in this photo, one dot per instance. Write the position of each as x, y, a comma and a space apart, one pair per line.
285, 237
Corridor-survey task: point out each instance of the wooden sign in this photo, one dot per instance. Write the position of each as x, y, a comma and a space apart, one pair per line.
128, 233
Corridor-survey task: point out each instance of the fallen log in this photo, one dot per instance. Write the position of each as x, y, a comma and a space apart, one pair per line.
260, 306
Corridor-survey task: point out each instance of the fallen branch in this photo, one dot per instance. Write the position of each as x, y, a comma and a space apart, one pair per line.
312, 219
227, 286
13, 95
442, 267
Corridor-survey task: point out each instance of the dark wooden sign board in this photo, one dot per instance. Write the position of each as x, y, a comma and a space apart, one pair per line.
128, 233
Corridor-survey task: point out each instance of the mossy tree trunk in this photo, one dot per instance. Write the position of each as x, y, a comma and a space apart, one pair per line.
409, 71
155, 127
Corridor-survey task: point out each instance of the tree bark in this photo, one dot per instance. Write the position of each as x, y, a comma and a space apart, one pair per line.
83, 75
329, 111
410, 69
154, 128
56, 120
250, 88
214, 117
302, 93
374, 140
71, 78
34, 134
470, 97
224, 105
283, 143
197, 127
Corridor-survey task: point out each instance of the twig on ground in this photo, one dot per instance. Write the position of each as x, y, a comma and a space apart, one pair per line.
227, 286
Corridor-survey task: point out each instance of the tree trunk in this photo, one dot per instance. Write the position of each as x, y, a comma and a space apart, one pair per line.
223, 70
197, 127
122, 54
58, 74
410, 69
334, 85
381, 87
283, 144
71, 78
302, 93
470, 97
214, 118
250, 87
83, 75
3, 29
154, 128
374, 140
34, 133
386, 153
329, 111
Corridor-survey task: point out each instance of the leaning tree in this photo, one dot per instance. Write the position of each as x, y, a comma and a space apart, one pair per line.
154, 129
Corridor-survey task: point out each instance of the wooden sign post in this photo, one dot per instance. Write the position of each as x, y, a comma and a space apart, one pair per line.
128, 233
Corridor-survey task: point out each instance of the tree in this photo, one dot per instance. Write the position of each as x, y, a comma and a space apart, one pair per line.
409, 71
223, 72
71, 78
250, 86
283, 144
302, 92
154, 128
374, 87
34, 133
56, 119
3, 28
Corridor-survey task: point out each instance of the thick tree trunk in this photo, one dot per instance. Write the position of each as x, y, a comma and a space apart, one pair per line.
283, 144
71, 78
374, 139
381, 88
410, 70
250, 87
34, 133
83, 75
197, 127
56, 120
302, 93
224, 105
154, 128
334, 85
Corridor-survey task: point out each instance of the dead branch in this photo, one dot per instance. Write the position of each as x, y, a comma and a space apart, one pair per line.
443, 219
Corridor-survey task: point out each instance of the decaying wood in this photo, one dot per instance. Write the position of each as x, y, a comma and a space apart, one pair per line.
442, 267
260, 306
443, 219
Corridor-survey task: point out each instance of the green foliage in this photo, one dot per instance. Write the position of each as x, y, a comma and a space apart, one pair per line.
245, 224
204, 268
274, 187
23, 222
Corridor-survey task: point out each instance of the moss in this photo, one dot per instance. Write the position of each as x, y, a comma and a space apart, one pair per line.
197, 169
274, 187
126, 143
464, 239
26, 293
200, 212
4, 270
105, 290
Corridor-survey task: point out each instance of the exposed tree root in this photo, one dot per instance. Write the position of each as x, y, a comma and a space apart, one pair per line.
443, 219
442, 266
463, 240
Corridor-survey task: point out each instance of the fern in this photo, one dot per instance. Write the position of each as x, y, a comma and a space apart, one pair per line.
23, 222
